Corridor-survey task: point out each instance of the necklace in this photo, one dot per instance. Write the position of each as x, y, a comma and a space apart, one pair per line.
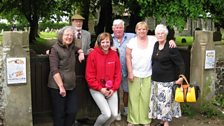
157, 53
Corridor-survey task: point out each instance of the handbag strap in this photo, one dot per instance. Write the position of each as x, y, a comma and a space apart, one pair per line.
185, 86
185, 79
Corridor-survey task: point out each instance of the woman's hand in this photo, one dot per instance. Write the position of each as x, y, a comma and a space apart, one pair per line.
104, 91
179, 81
58, 80
81, 55
172, 44
110, 93
62, 91
130, 76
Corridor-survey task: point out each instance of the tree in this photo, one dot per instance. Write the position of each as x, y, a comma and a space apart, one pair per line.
105, 20
32, 10
215, 8
175, 12
107, 14
135, 16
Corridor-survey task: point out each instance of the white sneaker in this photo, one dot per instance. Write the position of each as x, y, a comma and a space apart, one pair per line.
118, 117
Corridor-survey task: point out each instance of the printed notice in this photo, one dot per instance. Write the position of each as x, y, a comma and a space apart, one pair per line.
16, 70
210, 59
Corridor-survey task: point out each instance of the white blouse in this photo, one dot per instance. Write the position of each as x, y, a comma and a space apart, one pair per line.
141, 57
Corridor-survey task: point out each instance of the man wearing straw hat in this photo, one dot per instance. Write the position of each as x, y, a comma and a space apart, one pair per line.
83, 37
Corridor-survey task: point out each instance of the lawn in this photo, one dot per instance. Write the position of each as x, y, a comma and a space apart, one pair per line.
48, 35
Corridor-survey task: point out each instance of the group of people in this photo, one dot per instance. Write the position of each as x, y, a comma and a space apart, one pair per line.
145, 67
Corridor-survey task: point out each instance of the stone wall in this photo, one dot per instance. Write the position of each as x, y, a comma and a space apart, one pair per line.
15, 105
219, 84
2, 110
204, 77
211, 80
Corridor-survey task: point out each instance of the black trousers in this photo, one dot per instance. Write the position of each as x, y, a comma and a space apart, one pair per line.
64, 108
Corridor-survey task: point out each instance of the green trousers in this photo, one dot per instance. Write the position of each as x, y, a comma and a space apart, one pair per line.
138, 100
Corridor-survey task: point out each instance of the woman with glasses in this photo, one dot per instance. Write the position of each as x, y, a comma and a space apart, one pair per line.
61, 83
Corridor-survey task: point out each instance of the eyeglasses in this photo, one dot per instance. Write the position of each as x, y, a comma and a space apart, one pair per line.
70, 35
160, 33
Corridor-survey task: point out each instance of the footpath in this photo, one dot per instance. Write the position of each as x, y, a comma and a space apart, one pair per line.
198, 120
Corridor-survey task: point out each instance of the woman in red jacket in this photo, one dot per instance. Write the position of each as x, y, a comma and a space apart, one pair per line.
103, 75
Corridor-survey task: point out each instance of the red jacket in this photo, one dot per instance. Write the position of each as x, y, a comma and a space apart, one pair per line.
101, 67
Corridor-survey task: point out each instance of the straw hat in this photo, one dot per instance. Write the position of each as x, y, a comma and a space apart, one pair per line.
77, 17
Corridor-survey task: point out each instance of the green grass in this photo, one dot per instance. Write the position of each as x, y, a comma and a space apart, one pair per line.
43, 43
189, 40
48, 35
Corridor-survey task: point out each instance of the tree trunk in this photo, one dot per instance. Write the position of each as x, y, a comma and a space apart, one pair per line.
109, 19
33, 28
105, 21
85, 13
134, 18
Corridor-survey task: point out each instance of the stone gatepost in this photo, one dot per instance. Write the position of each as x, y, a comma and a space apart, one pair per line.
17, 83
200, 74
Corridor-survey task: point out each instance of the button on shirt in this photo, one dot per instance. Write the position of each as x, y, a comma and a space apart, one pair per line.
121, 46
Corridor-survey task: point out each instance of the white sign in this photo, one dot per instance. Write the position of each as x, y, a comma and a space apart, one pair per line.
210, 59
16, 70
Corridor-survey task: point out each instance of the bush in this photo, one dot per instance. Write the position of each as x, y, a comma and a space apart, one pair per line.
188, 110
5, 27
219, 101
209, 110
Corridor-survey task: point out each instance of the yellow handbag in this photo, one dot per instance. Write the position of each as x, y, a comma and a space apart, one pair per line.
186, 92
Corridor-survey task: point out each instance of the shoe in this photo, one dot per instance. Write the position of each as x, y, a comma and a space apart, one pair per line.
129, 124
159, 124
125, 111
118, 118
